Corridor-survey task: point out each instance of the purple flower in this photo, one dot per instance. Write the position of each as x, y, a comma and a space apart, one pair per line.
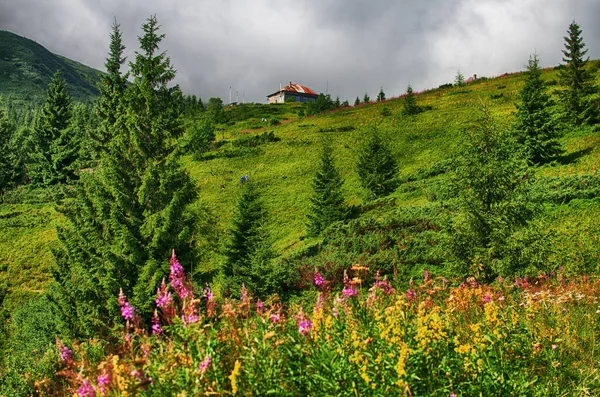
260, 306
410, 295
426, 276
103, 383
304, 326
208, 293
335, 312
203, 367
349, 291
318, 278
164, 299
65, 353
275, 317
86, 390
487, 298
452, 395
554, 347
156, 328
127, 311
243, 293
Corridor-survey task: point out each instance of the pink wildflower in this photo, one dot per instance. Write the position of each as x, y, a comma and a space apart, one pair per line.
86, 390
260, 307
335, 312
163, 297
426, 276
103, 383
65, 353
208, 293
487, 298
156, 328
304, 326
349, 288
410, 295
127, 311
318, 278
275, 317
203, 367
243, 293
554, 347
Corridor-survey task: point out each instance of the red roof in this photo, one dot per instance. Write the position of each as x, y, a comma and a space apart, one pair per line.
296, 88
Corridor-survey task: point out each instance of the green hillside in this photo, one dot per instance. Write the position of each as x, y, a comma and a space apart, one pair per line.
26, 69
397, 233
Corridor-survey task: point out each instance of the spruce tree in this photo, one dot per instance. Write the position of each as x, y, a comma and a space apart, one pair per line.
55, 149
376, 166
357, 101
327, 202
132, 210
248, 251
112, 90
492, 183
381, 95
410, 102
459, 80
8, 169
578, 82
535, 126
366, 99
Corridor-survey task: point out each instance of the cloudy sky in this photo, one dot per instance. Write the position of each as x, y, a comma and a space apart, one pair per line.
349, 47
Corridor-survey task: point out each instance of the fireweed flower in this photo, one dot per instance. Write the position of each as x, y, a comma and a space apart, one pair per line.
208, 293
318, 278
260, 307
349, 288
103, 383
203, 367
127, 311
487, 298
243, 293
156, 328
163, 297
275, 317
426, 276
304, 326
177, 278
86, 390
65, 353
410, 295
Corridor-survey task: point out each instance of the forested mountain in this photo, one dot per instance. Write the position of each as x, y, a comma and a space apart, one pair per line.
26, 69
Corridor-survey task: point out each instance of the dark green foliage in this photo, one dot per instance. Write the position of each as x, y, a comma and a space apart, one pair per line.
410, 102
564, 189
26, 69
577, 97
366, 99
385, 111
343, 128
322, 104
215, 108
337, 102
535, 126
11, 165
345, 104
492, 184
357, 101
376, 166
131, 211
199, 133
112, 91
327, 203
55, 148
248, 253
381, 95
83, 128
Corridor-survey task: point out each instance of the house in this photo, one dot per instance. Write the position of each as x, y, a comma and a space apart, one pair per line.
293, 92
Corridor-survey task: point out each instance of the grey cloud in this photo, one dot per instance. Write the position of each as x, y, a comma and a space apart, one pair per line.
351, 47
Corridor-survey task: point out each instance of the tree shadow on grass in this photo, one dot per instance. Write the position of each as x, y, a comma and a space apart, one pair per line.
572, 157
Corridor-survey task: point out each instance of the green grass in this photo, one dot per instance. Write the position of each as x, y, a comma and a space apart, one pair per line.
283, 171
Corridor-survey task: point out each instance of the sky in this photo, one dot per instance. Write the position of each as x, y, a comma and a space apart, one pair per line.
343, 47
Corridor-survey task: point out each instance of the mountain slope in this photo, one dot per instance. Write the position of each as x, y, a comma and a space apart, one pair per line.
26, 68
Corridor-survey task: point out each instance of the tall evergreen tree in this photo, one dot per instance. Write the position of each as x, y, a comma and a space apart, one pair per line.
366, 99
247, 252
327, 202
112, 90
381, 95
410, 102
8, 169
55, 149
376, 166
535, 126
132, 210
578, 82
357, 101
491, 182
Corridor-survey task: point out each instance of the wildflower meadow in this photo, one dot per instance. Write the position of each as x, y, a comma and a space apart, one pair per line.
437, 338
